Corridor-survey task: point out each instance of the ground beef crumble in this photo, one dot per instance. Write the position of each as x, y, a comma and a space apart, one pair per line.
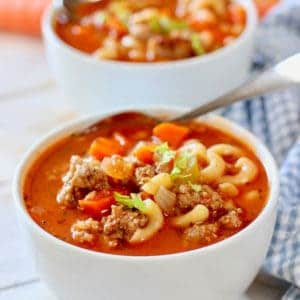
144, 174
121, 224
84, 231
187, 198
84, 173
163, 167
201, 233
232, 219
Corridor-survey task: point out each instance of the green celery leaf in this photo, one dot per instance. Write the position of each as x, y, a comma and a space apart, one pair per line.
165, 153
164, 24
196, 44
132, 201
155, 25
180, 166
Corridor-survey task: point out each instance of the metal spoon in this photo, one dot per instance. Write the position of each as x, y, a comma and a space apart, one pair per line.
280, 76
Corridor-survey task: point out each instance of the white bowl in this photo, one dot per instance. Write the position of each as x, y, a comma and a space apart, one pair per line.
221, 271
93, 85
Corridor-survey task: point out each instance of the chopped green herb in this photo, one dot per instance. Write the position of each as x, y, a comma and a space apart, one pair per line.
186, 167
132, 201
183, 159
179, 170
177, 174
195, 187
164, 24
165, 153
155, 25
196, 44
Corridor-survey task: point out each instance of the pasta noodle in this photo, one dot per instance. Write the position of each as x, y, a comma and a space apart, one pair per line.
214, 170
198, 214
247, 169
195, 148
162, 179
228, 189
252, 195
156, 221
226, 150
247, 172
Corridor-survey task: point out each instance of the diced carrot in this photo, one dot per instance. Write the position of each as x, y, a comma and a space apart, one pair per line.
237, 14
97, 205
145, 153
102, 147
171, 133
22, 15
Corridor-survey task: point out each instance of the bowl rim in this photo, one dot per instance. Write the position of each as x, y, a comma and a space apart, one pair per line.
67, 128
49, 33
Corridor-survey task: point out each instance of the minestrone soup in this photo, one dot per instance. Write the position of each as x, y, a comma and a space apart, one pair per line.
152, 30
131, 187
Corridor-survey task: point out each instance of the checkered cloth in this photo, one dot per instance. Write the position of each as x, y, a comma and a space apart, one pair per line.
275, 119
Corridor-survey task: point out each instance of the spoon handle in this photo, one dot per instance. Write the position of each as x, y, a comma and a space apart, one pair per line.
268, 81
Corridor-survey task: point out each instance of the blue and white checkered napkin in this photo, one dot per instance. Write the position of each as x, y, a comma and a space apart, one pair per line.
275, 119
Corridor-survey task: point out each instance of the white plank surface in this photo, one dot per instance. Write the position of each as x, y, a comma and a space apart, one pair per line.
30, 104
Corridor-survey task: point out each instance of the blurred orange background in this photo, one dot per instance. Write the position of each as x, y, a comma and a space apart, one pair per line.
23, 16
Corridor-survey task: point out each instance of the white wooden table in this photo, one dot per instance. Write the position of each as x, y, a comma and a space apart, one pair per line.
31, 104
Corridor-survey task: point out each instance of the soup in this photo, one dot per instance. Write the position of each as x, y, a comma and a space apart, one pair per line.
152, 30
128, 186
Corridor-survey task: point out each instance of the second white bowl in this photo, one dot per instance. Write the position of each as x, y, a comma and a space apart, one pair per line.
92, 84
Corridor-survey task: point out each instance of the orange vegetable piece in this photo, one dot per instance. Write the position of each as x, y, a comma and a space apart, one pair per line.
171, 133
102, 147
145, 153
237, 14
97, 205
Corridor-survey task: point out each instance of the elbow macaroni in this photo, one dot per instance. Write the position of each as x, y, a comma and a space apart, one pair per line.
215, 172
152, 186
226, 150
156, 221
198, 214
195, 148
228, 189
247, 172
